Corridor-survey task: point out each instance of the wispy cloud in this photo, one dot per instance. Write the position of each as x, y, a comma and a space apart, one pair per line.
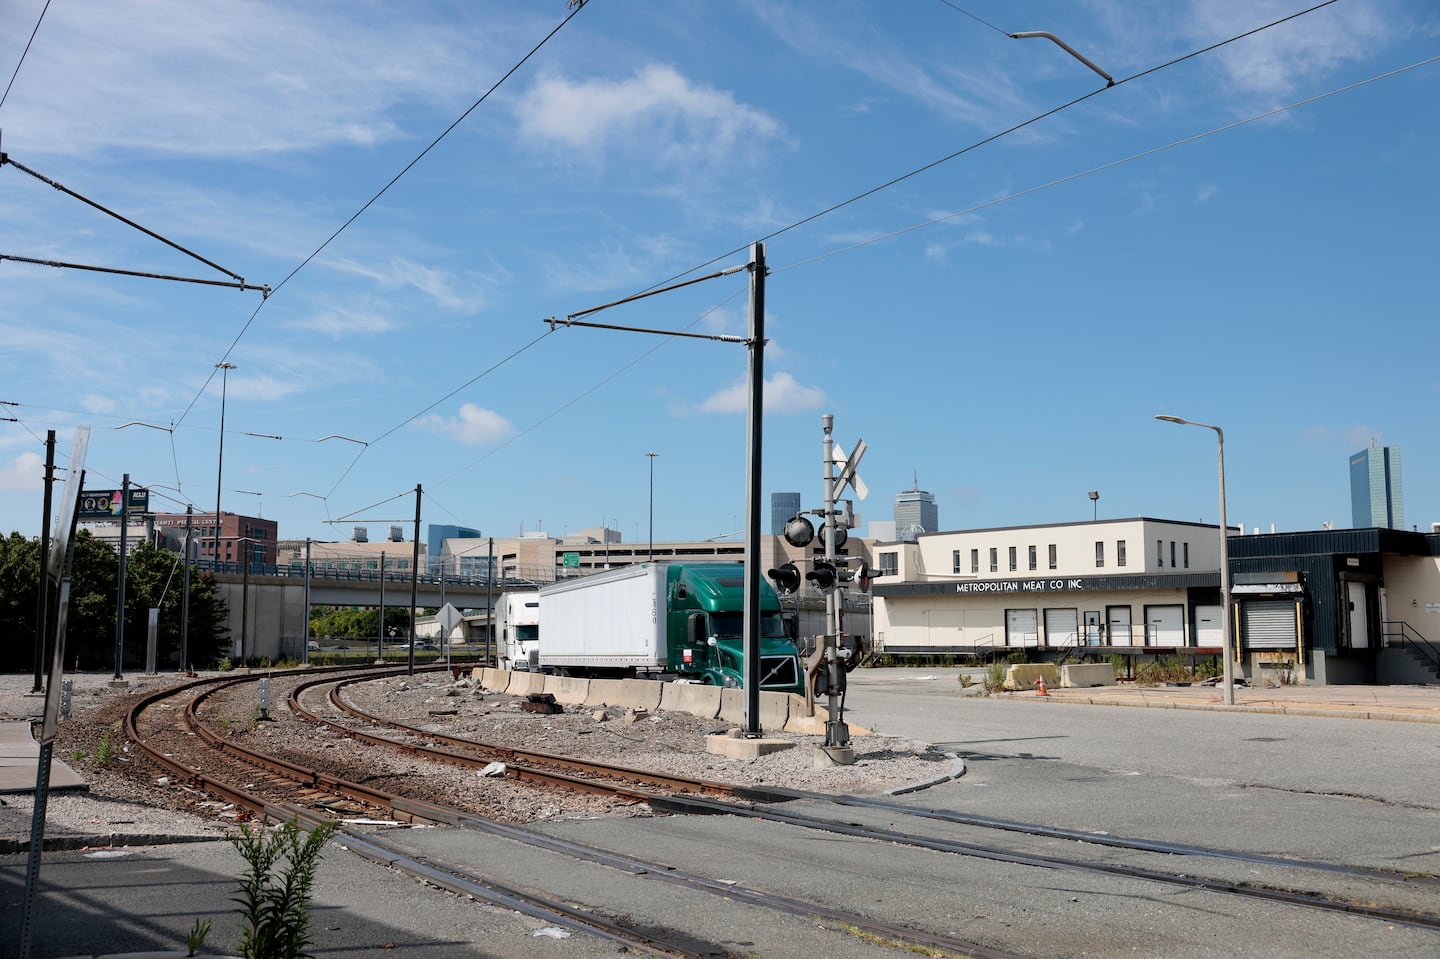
783, 394
24, 472
472, 425
657, 113
292, 77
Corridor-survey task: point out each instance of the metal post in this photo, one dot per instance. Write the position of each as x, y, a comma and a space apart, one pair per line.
185, 595
120, 585
224, 369
1228, 658
652, 505
380, 631
754, 419
414, 573
306, 658
42, 601
244, 596
490, 601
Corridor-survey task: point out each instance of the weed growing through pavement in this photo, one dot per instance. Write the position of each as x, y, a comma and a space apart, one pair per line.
196, 937
274, 898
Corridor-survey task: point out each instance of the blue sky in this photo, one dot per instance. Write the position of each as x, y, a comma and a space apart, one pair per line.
1003, 325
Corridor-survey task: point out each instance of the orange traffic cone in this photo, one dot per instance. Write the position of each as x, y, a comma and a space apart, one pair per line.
1040, 686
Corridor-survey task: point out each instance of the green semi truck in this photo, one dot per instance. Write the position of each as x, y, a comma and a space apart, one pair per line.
664, 620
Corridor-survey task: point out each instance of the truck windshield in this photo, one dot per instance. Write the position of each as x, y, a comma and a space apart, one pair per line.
732, 625
527, 634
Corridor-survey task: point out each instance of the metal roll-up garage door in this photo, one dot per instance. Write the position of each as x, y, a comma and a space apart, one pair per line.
1268, 624
1021, 628
1164, 625
1061, 626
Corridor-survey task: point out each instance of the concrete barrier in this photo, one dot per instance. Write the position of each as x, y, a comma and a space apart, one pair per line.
774, 708
1087, 674
525, 683
602, 692
491, 678
693, 698
570, 690
640, 694
1023, 675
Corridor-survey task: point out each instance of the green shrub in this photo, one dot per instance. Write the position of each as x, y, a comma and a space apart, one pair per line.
995, 677
274, 896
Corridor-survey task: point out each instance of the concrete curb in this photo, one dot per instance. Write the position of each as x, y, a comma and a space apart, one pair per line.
1313, 711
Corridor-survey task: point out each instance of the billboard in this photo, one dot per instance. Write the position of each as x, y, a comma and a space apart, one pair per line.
105, 503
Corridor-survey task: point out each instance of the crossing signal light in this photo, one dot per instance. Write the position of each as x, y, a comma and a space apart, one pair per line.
841, 535
786, 579
864, 576
823, 576
799, 531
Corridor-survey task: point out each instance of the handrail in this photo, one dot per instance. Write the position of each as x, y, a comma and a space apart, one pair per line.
1423, 646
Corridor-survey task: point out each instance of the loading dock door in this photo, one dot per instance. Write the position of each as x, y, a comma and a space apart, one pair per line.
1021, 628
1061, 625
1118, 625
1208, 631
1164, 625
1268, 624
1359, 621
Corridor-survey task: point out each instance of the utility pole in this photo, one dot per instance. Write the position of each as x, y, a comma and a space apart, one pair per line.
754, 419
185, 596
414, 572
42, 602
120, 587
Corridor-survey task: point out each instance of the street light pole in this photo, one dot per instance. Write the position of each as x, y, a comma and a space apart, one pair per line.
1224, 559
652, 504
224, 368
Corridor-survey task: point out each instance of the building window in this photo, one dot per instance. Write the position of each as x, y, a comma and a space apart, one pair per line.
1187, 555
1172, 554
994, 560
1160, 552
889, 564
1119, 552
1034, 558
1014, 559
1054, 558
1099, 554
974, 561
955, 562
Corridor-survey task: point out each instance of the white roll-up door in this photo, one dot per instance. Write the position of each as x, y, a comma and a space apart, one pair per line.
1268, 624
1117, 625
1208, 631
1061, 626
1021, 628
1164, 625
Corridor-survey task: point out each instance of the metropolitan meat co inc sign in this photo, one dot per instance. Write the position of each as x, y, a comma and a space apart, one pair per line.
1021, 586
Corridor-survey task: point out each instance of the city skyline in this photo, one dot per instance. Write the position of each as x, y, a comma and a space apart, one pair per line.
985, 261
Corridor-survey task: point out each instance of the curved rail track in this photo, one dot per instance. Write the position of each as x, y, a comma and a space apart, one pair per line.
1384, 895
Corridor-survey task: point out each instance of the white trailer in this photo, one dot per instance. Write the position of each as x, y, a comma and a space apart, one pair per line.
517, 630
615, 620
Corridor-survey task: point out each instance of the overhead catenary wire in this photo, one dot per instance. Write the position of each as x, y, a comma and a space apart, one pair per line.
382, 191
24, 53
1110, 165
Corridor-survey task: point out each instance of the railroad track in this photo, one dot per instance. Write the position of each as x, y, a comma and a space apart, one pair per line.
1381, 895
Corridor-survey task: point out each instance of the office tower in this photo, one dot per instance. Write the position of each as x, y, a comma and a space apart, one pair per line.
1375, 494
915, 513
782, 507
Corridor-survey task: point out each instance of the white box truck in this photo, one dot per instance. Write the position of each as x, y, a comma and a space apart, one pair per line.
517, 630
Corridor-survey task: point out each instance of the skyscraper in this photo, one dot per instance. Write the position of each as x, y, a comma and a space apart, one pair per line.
915, 513
782, 507
1375, 495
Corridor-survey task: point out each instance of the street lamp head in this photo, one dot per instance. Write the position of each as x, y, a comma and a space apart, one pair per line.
1171, 419
1094, 495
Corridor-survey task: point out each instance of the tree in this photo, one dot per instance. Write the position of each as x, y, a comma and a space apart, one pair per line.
153, 578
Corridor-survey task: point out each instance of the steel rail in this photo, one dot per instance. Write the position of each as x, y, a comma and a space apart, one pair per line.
696, 805
461, 880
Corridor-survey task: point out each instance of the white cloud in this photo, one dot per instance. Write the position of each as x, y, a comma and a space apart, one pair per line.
24, 472
473, 426
783, 394
1274, 62
286, 77
657, 111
